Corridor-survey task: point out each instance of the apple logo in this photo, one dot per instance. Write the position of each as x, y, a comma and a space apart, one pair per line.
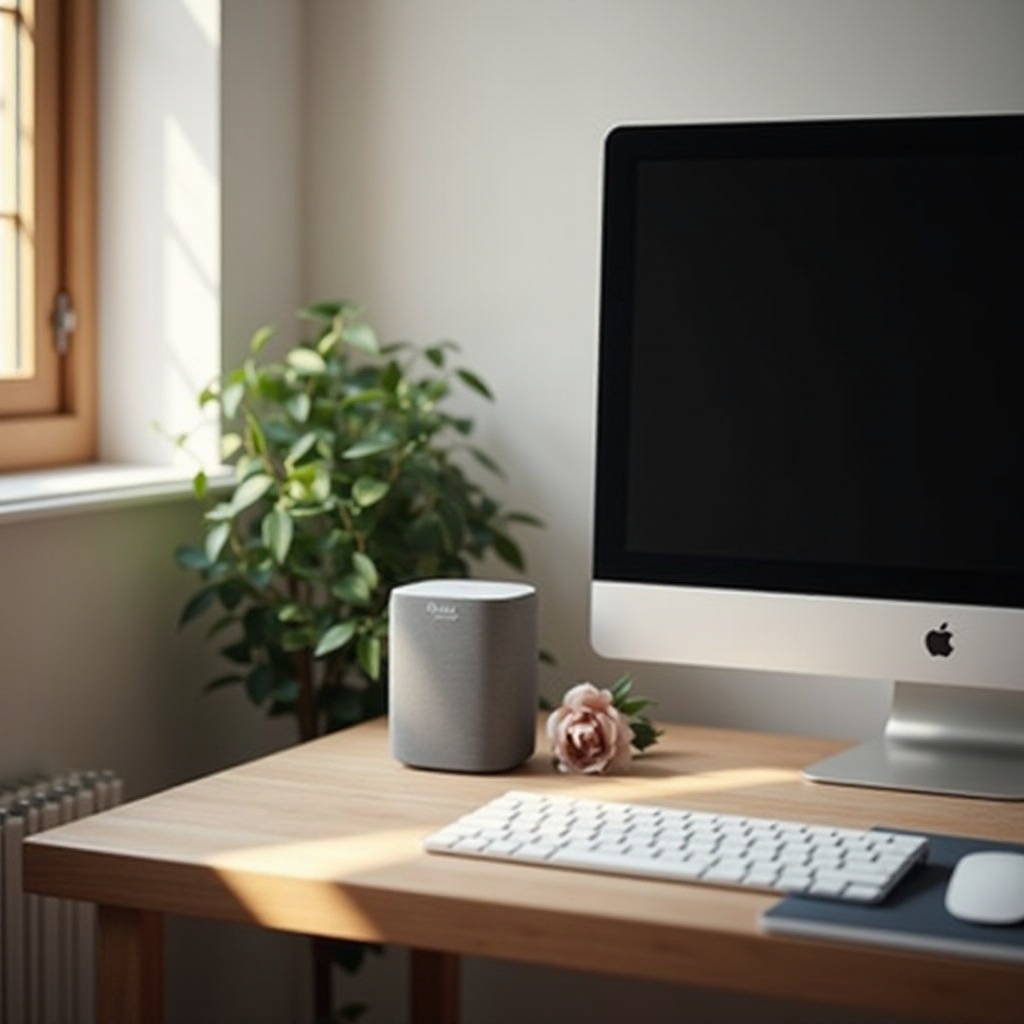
939, 642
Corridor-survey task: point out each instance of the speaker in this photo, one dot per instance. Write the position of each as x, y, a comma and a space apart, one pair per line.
462, 674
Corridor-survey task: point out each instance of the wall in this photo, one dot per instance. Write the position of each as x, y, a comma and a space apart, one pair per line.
452, 184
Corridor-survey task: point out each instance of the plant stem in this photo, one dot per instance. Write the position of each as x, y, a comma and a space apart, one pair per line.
305, 706
323, 1002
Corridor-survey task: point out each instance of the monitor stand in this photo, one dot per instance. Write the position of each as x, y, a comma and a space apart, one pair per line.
957, 741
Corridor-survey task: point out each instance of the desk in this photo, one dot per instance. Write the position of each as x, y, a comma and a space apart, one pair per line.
324, 839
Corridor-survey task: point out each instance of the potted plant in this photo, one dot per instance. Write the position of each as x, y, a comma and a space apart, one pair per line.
350, 478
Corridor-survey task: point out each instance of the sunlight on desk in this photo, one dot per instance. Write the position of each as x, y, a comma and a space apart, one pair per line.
630, 788
324, 862
338, 859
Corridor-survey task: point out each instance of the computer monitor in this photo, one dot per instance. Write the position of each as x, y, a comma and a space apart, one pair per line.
810, 430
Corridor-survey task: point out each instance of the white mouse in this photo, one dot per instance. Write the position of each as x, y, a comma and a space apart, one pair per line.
987, 888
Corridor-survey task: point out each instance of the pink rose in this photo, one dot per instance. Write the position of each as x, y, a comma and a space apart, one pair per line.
587, 732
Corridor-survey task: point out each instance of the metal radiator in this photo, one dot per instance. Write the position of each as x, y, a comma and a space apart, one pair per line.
47, 945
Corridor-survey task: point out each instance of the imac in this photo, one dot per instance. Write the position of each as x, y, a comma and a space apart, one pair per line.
810, 425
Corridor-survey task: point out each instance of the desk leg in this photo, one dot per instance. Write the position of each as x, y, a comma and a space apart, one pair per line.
433, 987
130, 969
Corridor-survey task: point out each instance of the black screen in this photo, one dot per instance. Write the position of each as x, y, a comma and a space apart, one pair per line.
812, 372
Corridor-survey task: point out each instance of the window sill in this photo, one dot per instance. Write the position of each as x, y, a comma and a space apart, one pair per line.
55, 492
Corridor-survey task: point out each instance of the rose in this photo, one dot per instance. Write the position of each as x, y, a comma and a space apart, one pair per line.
595, 731
588, 733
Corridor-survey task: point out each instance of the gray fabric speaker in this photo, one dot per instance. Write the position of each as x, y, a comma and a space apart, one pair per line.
462, 674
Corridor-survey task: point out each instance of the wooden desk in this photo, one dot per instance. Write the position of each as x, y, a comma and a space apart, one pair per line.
324, 839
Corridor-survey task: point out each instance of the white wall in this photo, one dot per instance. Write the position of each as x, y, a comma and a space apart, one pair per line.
159, 224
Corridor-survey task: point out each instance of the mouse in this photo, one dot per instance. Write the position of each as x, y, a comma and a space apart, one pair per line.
987, 887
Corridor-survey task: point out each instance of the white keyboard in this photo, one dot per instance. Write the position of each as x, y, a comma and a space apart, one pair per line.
860, 865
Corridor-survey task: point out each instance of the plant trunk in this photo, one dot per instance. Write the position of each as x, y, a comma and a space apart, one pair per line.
308, 726
323, 996
305, 708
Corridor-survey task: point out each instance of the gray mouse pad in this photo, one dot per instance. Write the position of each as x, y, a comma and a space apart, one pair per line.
913, 917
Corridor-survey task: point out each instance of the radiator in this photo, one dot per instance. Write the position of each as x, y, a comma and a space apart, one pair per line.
47, 945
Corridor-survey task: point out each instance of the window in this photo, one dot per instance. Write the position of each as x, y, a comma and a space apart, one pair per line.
47, 232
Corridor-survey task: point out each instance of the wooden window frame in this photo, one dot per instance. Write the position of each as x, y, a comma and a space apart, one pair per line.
52, 420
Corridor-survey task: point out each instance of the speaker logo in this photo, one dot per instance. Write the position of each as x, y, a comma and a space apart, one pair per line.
442, 611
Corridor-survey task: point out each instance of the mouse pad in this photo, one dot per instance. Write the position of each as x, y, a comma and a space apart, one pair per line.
913, 916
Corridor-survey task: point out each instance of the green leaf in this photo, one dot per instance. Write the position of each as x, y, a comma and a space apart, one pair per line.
621, 688
365, 396
230, 593
221, 511
221, 681
239, 653
487, 462
229, 444
453, 524
251, 374
260, 338
254, 435
352, 589
260, 576
366, 569
200, 485
391, 377
277, 530
471, 380
508, 551
433, 391
361, 336
301, 447
320, 486
329, 340
337, 636
231, 399
188, 557
216, 539
306, 361
286, 691
634, 705
197, 604
645, 734
299, 406
368, 651
259, 683
256, 626
425, 533
328, 310
368, 490
250, 491
380, 441
525, 518
299, 639
292, 612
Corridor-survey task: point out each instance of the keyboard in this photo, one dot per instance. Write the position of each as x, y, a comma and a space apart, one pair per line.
668, 843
